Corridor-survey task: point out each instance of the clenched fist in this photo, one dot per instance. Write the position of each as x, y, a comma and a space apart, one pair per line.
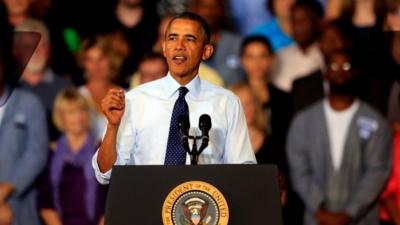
113, 106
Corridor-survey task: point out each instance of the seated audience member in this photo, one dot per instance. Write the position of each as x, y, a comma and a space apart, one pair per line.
339, 152
390, 198
69, 193
100, 66
225, 58
304, 56
313, 87
278, 30
23, 145
38, 77
152, 67
257, 58
205, 72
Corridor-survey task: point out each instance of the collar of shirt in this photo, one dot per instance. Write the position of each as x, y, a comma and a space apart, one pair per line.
4, 95
171, 86
3, 103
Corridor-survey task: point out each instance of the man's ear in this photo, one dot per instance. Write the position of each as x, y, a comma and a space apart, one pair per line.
208, 51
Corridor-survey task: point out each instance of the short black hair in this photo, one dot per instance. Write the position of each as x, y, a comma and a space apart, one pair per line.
313, 6
256, 39
194, 17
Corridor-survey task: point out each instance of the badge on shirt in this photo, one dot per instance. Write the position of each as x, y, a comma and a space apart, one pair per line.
20, 120
366, 126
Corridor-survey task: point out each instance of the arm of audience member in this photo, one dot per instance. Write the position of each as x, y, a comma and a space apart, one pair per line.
34, 156
377, 164
299, 163
118, 140
50, 217
237, 145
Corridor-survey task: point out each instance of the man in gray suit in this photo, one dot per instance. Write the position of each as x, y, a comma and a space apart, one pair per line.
23, 150
339, 152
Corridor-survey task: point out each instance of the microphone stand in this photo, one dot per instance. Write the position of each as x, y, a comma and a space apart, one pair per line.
194, 153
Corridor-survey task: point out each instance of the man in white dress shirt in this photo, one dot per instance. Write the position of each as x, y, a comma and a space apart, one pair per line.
139, 122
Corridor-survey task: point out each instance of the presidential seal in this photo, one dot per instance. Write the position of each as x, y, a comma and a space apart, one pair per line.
195, 203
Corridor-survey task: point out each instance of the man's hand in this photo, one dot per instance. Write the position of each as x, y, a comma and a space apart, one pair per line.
325, 217
6, 190
113, 106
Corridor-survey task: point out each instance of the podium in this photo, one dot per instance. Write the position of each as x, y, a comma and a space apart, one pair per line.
203, 194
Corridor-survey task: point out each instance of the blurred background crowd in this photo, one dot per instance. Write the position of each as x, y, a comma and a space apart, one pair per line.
282, 58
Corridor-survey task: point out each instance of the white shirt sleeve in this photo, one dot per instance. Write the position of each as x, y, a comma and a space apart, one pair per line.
124, 146
237, 146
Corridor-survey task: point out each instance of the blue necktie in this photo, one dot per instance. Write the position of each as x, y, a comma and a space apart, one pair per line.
176, 154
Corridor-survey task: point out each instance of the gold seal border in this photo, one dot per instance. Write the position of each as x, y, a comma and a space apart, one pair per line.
189, 186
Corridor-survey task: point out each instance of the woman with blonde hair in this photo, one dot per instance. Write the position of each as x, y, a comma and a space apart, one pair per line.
69, 193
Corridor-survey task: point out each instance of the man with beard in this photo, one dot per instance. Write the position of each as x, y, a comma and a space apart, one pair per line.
339, 152
38, 77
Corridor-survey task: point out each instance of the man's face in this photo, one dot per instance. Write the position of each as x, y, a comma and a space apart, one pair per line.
341, 74
39, 59
303, 26
184, 47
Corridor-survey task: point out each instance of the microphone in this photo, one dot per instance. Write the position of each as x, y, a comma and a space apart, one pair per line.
205, 126
184, 126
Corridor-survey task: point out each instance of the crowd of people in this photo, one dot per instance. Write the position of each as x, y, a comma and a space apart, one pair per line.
319, 82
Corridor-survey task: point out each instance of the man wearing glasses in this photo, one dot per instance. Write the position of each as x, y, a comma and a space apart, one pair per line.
339, 151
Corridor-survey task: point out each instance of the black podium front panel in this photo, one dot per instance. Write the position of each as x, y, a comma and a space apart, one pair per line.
137, 193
